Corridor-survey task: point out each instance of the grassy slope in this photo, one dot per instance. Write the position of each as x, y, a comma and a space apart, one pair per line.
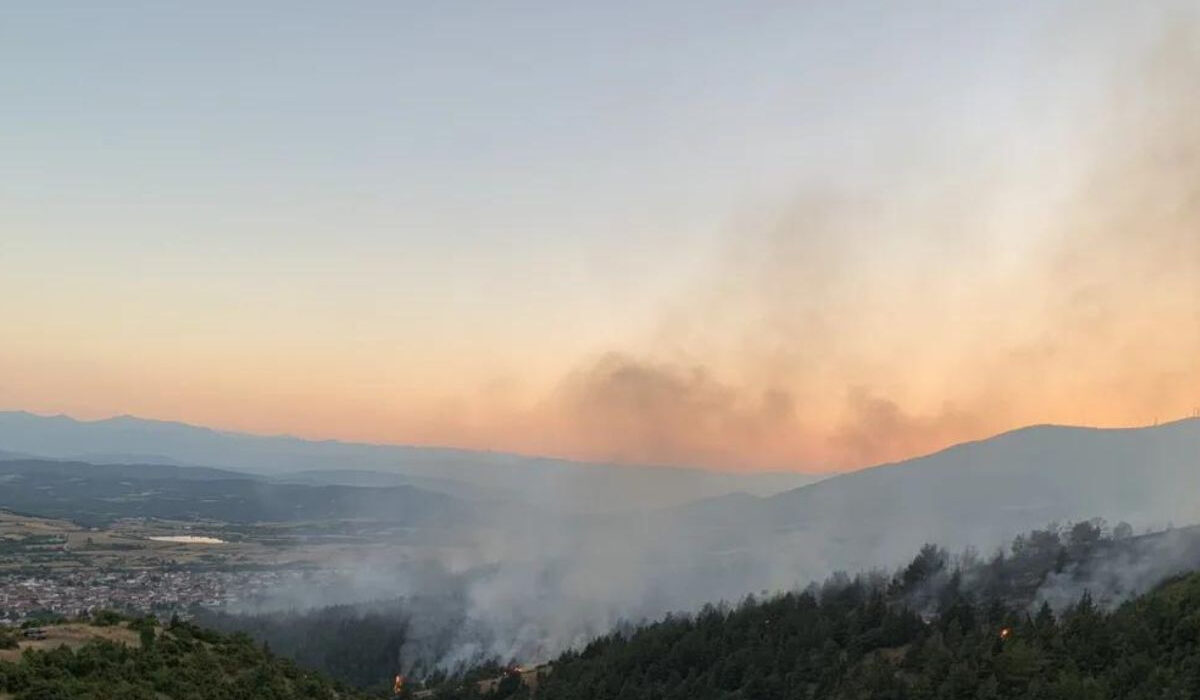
176, 662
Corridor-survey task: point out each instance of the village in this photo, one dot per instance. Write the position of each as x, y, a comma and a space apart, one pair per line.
25, 597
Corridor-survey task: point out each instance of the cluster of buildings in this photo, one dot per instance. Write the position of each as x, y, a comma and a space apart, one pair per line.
163, 593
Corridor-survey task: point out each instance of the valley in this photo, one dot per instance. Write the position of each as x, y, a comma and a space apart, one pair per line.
390, 350
432, 585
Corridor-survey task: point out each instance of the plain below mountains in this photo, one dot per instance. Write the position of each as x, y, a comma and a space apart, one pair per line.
548, 483
98, 494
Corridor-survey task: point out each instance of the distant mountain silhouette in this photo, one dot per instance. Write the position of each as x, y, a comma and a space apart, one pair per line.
549, 482
977, 493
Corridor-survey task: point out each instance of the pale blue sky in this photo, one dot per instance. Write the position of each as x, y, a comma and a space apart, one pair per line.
572, 150
444, 196
540, 131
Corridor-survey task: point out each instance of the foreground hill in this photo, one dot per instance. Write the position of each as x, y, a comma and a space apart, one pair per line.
143, 661
562, 484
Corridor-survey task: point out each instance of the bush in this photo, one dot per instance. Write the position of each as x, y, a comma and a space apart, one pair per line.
106, 618
8, 640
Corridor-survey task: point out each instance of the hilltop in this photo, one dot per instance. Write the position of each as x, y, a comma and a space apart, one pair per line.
977, 494
143, 660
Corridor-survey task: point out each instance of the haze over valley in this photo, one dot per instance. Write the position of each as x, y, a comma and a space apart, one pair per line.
600, 351
535, 579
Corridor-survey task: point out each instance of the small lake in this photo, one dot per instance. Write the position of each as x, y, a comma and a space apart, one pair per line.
187, 539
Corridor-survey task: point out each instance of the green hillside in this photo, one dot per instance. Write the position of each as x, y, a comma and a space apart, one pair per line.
178, 662
849, 642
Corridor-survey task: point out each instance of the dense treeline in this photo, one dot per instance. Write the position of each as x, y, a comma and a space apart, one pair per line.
940, 627
366, 644
848, 642
178, 662
358, 644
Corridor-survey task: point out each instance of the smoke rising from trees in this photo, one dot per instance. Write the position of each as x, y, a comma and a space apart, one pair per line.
939, 301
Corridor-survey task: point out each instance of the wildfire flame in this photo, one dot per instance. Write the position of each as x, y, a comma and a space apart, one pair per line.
398, 685
1004, 633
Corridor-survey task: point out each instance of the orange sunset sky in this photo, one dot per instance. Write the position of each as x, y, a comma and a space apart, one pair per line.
754, 238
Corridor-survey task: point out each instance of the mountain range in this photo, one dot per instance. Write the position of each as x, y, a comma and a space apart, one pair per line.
549, 483
984, 492
972, 493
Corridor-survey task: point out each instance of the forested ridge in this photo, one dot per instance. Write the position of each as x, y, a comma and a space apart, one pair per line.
849, 643
934, 630
365, 645
358, 644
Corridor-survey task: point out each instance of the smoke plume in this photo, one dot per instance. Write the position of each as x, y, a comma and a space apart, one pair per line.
962, 298
852, 327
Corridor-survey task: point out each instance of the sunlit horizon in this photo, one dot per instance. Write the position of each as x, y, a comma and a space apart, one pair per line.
809, 238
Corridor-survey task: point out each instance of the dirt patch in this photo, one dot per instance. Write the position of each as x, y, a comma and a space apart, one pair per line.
72, 635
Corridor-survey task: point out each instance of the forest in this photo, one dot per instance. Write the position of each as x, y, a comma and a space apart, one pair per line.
940, 627
848, 642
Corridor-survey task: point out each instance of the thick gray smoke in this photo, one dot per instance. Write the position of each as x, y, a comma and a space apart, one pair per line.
1127, 571
525, 584
1112, 288
959, 298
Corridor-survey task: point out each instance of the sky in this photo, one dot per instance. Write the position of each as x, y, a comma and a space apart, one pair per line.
744, 236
